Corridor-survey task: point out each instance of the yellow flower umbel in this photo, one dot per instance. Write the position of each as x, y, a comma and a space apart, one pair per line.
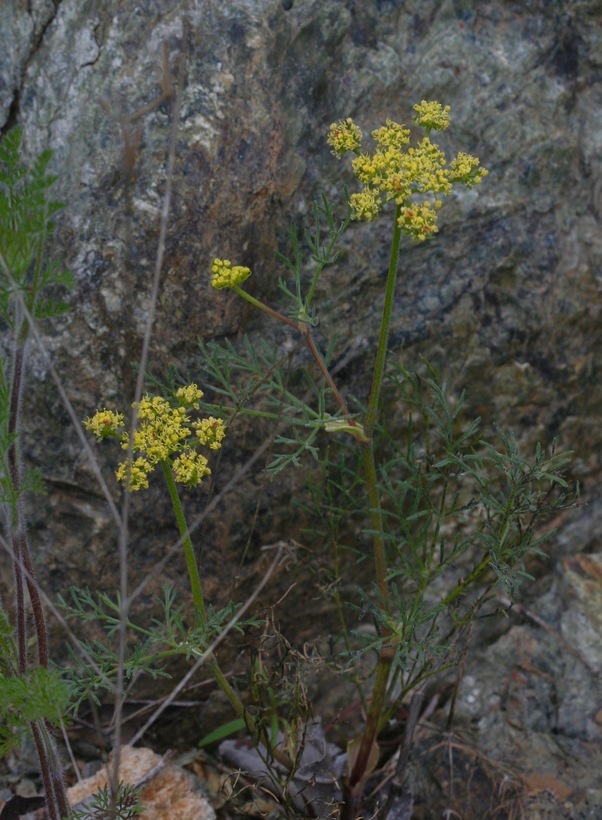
104, 423
210, 432
226, 275
165, 435
415, 178
465, 169
431, 115
344, 136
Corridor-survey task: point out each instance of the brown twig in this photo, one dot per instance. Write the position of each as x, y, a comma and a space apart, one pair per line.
131, 133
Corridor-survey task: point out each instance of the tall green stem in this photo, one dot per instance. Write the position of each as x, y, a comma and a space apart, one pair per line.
378, 701
381, 353
189, 556
360, 766
378, 544
370, 418
257, 731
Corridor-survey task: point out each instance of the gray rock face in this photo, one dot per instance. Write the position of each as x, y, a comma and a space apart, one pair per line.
534, 696
506, 298
513, 275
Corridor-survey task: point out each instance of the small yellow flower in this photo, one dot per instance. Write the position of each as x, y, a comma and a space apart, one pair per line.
365, 205
344, 136
160, 430
134, 475
392, 135
465, 168
365, 168
227, 276
104, 423
432, 115
189, 396
190, 468
210, 431
424, 168
419, 221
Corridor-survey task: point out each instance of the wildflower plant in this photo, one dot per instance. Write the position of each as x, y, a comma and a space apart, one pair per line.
168, 434
125, 805
447, 516
408, 495
415, 501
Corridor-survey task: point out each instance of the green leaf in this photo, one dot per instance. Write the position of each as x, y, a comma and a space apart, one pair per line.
225, 730
26, 212
39, 695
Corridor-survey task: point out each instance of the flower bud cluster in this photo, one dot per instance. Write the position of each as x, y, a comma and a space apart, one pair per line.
226, 275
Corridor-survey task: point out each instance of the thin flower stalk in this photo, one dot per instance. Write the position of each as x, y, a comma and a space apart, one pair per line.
189, 556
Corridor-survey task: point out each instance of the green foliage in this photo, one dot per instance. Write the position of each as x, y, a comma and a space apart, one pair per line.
322, 255
39, 695
26, 221
32, 696
448, 480
252, 381
31, 479
460, 517
8, 649
222, 732
149, 646
101, 805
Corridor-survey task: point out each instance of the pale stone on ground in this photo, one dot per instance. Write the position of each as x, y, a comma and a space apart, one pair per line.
170, 794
